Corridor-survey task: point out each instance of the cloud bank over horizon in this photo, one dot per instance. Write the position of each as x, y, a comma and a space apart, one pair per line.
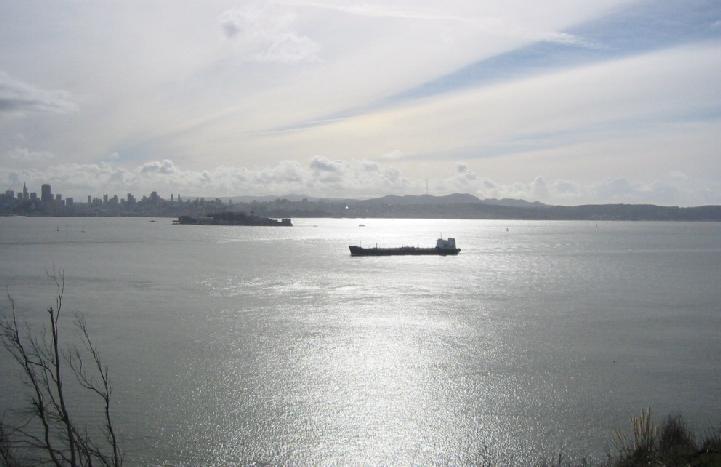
562, 102
361, 179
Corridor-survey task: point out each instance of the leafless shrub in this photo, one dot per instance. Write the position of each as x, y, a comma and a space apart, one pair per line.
48, 432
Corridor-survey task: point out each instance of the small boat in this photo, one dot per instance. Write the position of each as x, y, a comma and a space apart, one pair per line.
442, 248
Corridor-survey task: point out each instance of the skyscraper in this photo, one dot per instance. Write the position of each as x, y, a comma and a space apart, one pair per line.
46, 195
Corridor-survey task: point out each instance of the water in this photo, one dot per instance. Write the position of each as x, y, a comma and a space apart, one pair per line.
273, 345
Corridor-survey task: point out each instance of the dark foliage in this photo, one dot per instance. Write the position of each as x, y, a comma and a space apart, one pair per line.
669, 444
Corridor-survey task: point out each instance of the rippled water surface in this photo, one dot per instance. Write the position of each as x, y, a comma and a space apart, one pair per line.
273, 345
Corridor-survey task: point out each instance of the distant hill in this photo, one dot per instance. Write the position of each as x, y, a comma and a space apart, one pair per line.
263, 198
453, 206
518, 203
286, 197
454, 198
467, 206
396, 200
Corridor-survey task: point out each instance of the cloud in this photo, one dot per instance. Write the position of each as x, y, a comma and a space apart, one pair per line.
464, 179
319, 177
321, 164
25, 155
21, 98
565, 188
671, 190
370, 166
356, 178
576, 123
539, 189
229, 25
648, 97
674, 188
493, 25
266, 34
283, 173
230, 82
164, 167
617, 188
393, 155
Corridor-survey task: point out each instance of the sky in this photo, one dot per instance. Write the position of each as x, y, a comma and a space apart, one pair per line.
561, 101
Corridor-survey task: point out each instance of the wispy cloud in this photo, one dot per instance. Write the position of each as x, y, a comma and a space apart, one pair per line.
17, 97
25, 155
557, 107
266, 34
494, 25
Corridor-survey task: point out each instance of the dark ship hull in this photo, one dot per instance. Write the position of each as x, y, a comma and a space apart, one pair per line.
402, 251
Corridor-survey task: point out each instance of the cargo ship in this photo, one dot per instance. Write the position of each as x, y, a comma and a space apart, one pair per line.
233, 218
442, 248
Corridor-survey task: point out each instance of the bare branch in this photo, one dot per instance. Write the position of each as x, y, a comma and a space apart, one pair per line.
12, 340
104, 391
43, 361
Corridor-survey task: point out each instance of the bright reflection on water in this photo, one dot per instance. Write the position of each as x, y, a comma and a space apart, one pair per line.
273, 345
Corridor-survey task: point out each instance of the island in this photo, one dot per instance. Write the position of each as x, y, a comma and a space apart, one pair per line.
233, 218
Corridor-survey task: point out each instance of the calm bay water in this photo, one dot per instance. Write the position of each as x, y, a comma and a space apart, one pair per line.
272, 345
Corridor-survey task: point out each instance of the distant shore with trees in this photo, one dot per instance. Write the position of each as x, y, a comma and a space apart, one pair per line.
453, 206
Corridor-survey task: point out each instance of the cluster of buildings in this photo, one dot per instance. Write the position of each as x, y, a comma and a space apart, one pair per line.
53, 204
46, 197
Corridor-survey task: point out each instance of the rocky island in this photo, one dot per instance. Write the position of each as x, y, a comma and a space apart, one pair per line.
233, 218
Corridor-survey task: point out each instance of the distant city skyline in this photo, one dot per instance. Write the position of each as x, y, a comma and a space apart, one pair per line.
26, 202
364, 179
455, 206
560, 102
48, 196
